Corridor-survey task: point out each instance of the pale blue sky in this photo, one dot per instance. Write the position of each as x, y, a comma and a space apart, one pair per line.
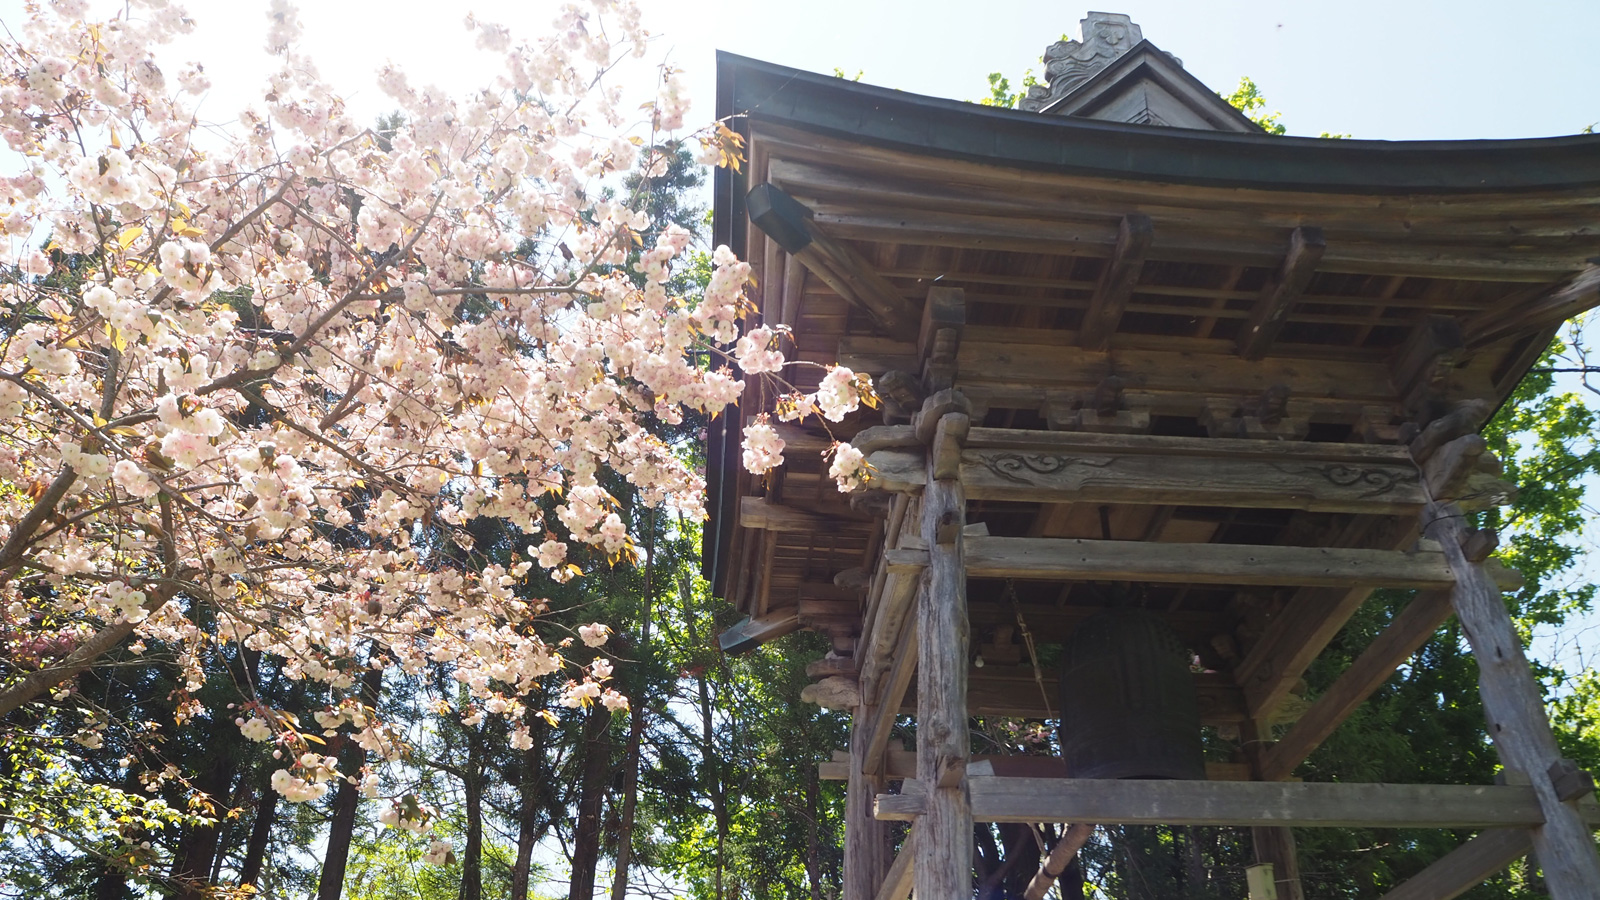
1395, 70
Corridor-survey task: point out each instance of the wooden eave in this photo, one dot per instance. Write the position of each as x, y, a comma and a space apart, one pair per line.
1472, 252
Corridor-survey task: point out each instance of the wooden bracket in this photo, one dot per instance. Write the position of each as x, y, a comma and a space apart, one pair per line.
1306, 246
944, 316
789, 223
1571, 783
1117, 280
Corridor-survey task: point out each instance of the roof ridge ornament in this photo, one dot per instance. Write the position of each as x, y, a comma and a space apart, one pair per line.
1067, 64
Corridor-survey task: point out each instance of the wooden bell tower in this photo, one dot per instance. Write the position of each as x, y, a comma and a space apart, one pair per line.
1125, 338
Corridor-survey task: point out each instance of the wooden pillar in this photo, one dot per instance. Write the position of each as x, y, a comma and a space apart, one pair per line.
865, 838
1275, 843
943, 866
1514, 706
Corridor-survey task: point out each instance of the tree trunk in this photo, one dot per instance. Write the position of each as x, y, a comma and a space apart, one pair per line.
531, 824
591, 797
472, 853
255, 852
710, 760
191, 864
631, 761
813, 846
330, 886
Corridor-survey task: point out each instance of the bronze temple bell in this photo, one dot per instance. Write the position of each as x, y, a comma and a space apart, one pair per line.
1128, 702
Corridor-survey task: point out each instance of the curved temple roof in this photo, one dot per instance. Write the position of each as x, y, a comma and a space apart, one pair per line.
1360, 256
765, 92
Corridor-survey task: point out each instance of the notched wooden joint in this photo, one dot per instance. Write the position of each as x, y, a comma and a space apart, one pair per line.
1571, 783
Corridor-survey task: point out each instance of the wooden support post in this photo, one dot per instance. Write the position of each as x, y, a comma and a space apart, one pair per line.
944, 845
1515, 709
865, 838
1306, 246
1275, 845
1060, 857
1465, 867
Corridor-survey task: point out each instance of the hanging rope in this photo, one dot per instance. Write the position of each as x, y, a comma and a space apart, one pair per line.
1027, 641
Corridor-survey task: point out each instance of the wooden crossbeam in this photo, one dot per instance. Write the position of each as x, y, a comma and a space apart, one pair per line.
1046, 466
761, 513
1011, 691
1117, 280
898, 881
1306, 246
1243, 564
894, 688
1302, 804
791, 225
1297, 635
1467, 866
1060, 857
1404, 636
900, 763
751, 632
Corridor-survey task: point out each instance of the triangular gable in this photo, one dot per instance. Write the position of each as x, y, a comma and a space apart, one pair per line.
1114, 75
1146, 86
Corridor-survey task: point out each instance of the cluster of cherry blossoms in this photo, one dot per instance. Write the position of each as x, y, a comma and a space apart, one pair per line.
250, 371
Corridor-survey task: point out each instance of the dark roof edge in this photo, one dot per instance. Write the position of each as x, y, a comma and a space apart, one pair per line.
968, 131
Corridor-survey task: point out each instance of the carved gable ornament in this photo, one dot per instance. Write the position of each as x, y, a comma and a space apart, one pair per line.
1067, 64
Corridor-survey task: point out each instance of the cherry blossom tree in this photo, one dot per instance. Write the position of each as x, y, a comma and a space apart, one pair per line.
241, 369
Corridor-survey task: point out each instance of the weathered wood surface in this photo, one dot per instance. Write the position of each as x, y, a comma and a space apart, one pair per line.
897, 883
1059, 858
943, 866
1243, 564
761, 513
1306, 246
1514, 705
1410, 629
1012, 691
1274, 845
1181, 478
1465, 867
751, 632
1301, 804
1121, 273
790, 224
889, 703
899, 763
1297, 635
865, 837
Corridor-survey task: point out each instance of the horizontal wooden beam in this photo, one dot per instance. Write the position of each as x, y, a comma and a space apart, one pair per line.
1243, 564
750, 633
1011, 691
899, 763
1078, 475
1467, 866
1301, 804
761, 513
1404, 636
